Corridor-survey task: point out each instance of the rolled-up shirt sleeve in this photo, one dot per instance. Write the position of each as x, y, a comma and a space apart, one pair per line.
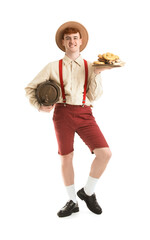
95, 89
30, 90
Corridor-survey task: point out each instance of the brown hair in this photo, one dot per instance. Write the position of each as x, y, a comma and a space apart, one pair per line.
70, 31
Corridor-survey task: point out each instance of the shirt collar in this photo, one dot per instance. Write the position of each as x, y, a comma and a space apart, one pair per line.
68, 60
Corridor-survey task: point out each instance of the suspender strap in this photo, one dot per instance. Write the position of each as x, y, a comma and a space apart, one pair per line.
61, 81
85, 84
62, 84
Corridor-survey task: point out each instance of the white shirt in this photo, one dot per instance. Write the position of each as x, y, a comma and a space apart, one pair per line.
73, 79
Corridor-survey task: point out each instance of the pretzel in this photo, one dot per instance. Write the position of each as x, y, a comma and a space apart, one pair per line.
116, 57
109, 56
100, 56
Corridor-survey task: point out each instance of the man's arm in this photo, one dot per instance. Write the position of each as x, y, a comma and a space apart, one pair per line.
95, 89
32, 86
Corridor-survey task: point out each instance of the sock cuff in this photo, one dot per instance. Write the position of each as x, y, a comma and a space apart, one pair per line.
93, 179
90, 185
71, 192
70, 186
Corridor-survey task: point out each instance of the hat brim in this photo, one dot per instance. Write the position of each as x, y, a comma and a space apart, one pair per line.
71, 24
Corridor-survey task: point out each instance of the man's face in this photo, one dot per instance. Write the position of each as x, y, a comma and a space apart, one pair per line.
72, 42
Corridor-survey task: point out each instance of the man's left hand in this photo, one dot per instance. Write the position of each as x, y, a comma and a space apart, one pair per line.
98, 70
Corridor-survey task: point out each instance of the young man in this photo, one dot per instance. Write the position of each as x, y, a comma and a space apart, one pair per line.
80, 85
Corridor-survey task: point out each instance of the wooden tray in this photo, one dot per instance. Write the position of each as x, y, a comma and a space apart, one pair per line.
121, 64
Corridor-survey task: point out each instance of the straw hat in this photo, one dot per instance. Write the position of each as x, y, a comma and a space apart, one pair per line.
71, 24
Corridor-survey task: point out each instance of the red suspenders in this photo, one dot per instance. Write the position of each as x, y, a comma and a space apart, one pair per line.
85, 84
61, 81
62, 84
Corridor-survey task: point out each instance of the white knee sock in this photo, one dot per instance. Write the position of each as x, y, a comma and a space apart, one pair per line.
90, 185
71, 192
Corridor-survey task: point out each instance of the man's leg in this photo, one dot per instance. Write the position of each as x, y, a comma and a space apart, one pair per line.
67, 169
68, 177
100, 162
64, 128
102, 157
97, 168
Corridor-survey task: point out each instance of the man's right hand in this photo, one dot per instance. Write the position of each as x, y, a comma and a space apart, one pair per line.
46, 108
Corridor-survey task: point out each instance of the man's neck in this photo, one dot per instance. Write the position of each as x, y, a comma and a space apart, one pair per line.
72, 56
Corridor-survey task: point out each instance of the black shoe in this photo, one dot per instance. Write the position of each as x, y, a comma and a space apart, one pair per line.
91, 201
68, 209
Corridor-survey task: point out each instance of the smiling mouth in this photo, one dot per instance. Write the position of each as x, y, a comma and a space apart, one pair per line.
72, 46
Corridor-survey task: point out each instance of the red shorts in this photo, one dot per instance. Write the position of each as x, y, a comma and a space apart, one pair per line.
71, 119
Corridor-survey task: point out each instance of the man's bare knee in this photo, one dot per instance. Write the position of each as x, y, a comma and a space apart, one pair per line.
66, 159
103, 153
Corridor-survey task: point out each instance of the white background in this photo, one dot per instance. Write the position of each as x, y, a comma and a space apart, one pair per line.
31, 186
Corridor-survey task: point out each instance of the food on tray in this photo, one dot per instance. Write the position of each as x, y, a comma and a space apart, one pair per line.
107, 58
98, 62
